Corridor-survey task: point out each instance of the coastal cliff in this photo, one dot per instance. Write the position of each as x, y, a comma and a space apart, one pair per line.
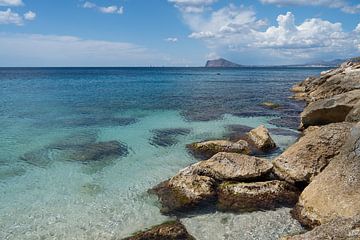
319, 175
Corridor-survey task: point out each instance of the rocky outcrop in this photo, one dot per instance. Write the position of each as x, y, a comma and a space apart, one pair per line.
330, 110
305, 159
261, 138
335, 192
205, 150
173, 230
233, 167
340, 228
256, 196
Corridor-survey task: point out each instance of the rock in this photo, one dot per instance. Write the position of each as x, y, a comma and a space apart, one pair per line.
256, 196
302, 161
354, 114
221, 63
335, 192
340, 228
330, 110
172, 230
260, 136
184, 191
233, 166
167, 137
205, 150
234, 132
270, 105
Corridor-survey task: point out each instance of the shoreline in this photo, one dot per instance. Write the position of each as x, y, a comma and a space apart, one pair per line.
304, 165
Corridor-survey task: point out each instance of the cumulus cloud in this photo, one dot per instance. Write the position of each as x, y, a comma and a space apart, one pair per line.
113, 9
11, 3
30, 16
192, 6
172, 39
10, 17
344, 5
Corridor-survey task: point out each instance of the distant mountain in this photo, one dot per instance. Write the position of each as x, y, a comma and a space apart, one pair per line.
332, 63
221, 62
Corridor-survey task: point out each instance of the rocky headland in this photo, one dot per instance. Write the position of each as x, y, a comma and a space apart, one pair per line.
318, 176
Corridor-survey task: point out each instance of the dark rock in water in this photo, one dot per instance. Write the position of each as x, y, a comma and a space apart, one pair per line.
39, 157
221, 63
270, 105
167, 137
256, 196
338, 229
291, 122
75, 139
236, 131
203, 114
172, 230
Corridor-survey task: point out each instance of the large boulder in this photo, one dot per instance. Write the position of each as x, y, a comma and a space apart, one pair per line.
335, 192
207, 149
185, 190
233, 166
256, 196
172, 230
261, 138
340, 228
330, 110
302, 161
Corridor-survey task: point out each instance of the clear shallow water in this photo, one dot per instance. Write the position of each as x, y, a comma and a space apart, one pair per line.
60, 199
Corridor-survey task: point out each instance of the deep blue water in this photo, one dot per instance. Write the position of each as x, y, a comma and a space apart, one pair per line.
48, 113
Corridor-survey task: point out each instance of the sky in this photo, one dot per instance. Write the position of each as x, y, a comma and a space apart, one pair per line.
176, 32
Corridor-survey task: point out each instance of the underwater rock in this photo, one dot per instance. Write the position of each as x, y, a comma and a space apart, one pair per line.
254, 196
261, 138
270, 105
233, 167
302, 161
207, 149
167, 137
172, 230
236, 131
10, 172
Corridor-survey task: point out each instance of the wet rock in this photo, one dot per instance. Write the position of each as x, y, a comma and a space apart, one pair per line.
340, 228
260, 136
207, 149
173, 230
302, 161
256, 196
335, 192
233, 166
167, 137
184, 191
270, 105
330, 110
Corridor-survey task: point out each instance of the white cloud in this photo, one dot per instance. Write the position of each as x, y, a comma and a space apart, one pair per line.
10, 17
192, 6
357, 29
344, 5
30, 16
172, 39
202, 35
113, 9
11, 3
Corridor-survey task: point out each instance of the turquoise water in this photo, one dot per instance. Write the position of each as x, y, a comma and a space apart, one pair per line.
45, 195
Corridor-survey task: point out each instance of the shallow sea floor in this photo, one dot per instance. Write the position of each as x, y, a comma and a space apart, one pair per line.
59, 199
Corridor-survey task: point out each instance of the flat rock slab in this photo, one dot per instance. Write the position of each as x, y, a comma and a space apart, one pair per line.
256, 196
233, 166
335, 192
341, 228
167, 231
207, 149
312, 153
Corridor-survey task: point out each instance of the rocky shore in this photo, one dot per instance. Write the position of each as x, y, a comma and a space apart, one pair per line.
319, 175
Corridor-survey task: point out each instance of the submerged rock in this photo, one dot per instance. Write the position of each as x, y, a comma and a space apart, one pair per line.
233, 166
340, 228
173, 230
256, 196
205, 150
168, 136
330, 110
183, 191
261, 138
236, 131
335, 192
270, 105
312, 153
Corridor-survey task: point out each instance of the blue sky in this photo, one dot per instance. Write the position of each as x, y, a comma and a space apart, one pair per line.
176, 32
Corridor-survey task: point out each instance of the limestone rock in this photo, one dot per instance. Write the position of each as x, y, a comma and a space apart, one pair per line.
330, 110
233, 166
256, 196
335, 192
260, 136
340, 228
205, 150
173, 230
312, 153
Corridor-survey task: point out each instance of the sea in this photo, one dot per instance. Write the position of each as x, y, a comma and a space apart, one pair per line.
60, 177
